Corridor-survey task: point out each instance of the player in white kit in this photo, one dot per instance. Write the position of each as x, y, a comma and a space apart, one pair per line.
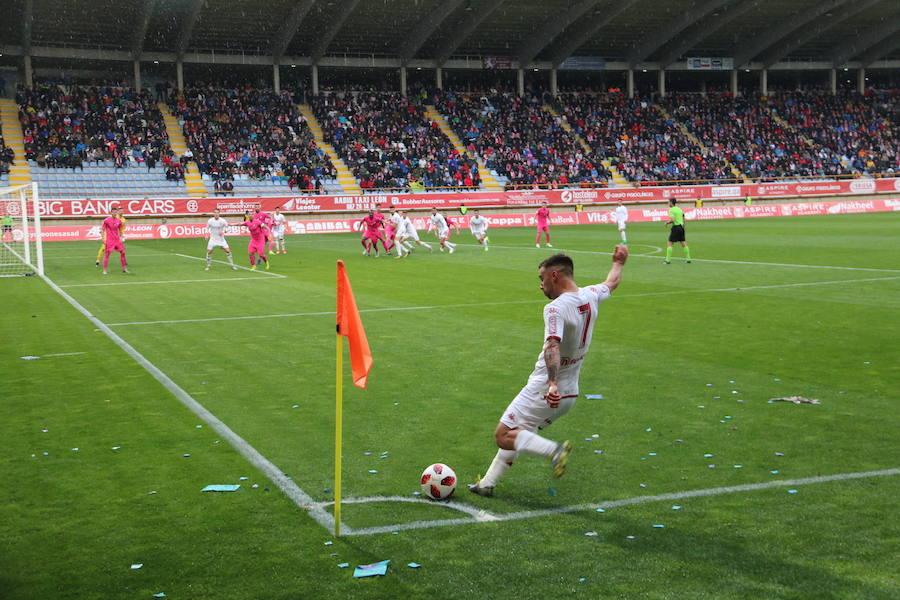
478, 225
442, 229
552, 387
278, 222
621, 217
216, 226
406, 233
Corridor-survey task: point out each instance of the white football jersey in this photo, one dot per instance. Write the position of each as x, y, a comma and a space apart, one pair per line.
621, 214
438, 222
406, 227
278, 220
570, 319
216, 228
478, 223
396, 220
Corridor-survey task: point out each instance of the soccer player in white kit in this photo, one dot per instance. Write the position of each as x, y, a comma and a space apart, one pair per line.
621, 217
478, 225
552, 387
216, 226
437, 222
277, 239
406, 231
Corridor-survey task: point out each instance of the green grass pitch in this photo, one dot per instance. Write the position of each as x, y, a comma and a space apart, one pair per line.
686, 357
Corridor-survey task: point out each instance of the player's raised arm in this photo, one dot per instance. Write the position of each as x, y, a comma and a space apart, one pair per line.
620, 255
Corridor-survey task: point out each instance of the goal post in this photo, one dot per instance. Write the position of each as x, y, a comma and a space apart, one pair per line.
21, 250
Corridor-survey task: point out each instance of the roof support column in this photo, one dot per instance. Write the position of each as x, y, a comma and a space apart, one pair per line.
520, 82
703, 88
29, 74
314, 72
137, 75
662, 83
276, 78
764, 82
629, 82
734, 83
554, 90
403, 81
832, 81
179, 75
439, 78
861, 81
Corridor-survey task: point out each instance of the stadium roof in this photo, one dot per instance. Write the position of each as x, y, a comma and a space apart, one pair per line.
539, 33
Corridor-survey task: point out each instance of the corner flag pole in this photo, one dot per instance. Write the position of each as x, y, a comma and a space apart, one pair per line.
338, 426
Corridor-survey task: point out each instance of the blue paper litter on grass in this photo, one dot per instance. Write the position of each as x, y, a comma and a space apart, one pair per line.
413, 565
221, 488
378, 568
594, 396
160, 595
343, 565
792, 491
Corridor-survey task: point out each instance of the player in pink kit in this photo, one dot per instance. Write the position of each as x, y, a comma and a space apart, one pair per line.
543, 224
372, 234
112, 228
257, 244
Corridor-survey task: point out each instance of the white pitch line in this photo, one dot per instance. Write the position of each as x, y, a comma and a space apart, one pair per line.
253, 456
476, 304
76, 285
222, 262
530, 514
710, 260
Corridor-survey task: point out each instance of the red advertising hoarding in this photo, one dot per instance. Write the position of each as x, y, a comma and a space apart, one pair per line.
347, 225
443, 200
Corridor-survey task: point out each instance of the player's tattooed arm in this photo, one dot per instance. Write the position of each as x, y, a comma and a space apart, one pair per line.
551, 358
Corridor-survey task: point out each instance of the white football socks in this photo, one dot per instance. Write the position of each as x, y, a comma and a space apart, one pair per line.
230, 259
622, 233
501, 463
532, 443
208, 260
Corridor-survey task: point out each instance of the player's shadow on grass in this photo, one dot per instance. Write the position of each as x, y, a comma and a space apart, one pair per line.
756, 574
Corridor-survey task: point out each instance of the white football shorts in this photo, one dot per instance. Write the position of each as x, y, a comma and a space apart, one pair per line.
213, 243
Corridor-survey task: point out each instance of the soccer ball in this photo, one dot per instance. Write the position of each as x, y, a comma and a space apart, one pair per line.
438, 481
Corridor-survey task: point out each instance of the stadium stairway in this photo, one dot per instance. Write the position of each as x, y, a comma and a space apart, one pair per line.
698, 143
619, 180
19, 172
489, 183
345, 177
192, 180
777, 118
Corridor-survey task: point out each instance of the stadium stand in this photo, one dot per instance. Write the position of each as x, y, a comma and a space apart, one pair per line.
388, 142
644, 145
519, 140
854, 130
252, 140
95, 141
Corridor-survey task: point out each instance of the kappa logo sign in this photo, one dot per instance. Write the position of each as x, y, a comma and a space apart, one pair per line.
13, 209
163, 231
193, 206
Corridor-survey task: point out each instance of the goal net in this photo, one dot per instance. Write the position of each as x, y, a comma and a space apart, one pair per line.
21, 252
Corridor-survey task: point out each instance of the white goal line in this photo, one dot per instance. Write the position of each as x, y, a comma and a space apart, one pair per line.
476, 304
477, 515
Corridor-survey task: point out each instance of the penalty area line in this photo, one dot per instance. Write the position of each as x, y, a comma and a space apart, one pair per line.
251, 454
531, 514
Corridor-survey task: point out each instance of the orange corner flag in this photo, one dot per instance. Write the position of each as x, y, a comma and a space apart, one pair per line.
350, 326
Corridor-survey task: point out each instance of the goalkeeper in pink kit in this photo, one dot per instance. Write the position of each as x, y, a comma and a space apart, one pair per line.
112, 229
257, 247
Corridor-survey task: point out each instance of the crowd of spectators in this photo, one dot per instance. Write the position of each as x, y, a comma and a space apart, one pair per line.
746, 133
250, 131
858, 131
388, 142
637, 138
520, 140
68, 125
6, 157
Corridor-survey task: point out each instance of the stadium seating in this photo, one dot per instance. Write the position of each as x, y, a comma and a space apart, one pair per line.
854, 130
639, 140
94, 141
388, 142
255, 139
520, 140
